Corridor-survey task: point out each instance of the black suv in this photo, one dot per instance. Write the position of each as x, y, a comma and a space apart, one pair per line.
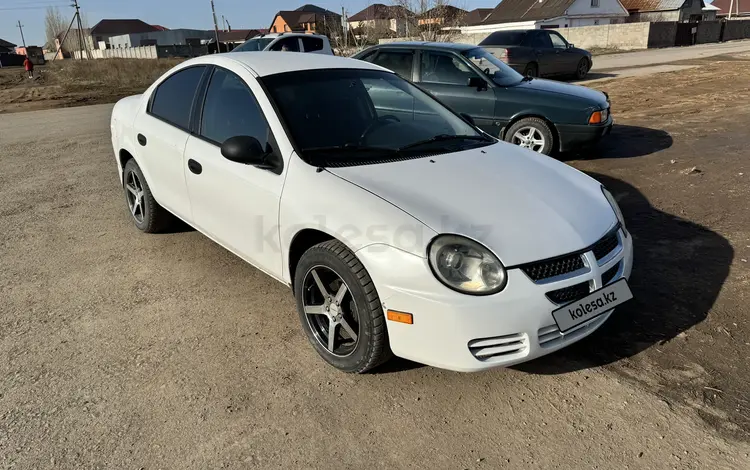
538, 52
542, 115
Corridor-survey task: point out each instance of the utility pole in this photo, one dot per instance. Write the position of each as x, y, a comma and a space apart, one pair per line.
731, 4
81, 35
216, 27
20, 26
345, 27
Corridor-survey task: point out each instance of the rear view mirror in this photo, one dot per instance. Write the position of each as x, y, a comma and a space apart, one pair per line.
248, 151
478, 83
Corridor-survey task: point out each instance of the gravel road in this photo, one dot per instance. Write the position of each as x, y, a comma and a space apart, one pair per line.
125, 350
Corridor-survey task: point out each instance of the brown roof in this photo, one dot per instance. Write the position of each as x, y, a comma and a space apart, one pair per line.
444, 11
160, 27
743, 5
316, 9
378, 11
116, 27
509, 11
652, 5
477, 16
237, 35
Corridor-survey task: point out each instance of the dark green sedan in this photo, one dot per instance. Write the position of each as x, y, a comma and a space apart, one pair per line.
543, 115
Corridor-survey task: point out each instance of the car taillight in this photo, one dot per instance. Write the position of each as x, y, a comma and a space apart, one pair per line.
503, 55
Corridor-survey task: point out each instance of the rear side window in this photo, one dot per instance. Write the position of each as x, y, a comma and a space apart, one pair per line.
173, 99
287, 44
312, 44
504, 38
400, 62
231, 110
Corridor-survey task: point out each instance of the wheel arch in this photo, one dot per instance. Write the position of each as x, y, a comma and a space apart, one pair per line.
302, 241
533, 114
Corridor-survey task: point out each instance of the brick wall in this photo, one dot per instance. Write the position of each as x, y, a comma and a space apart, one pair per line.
616, 36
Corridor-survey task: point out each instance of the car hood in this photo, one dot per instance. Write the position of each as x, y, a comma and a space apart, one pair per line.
552, 86
522, 205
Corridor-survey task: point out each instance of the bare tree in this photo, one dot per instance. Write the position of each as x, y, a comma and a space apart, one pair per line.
54, 24
434, 20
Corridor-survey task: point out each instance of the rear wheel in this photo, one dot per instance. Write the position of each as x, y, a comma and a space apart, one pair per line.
147, 214
531, 70
583, 69
339, 308
531, 133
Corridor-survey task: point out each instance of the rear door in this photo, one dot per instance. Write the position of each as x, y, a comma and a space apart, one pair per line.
400, 61
162, 133
313, 44
446, 75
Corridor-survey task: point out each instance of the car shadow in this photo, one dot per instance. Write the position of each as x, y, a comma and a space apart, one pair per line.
624, 142
591, 76
679, 270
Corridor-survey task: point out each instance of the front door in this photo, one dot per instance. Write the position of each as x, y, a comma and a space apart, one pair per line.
235, 204
567, 58
546, 57
446, 76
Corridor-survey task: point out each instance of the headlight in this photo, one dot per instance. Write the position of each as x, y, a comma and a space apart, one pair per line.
466, 266
615, 208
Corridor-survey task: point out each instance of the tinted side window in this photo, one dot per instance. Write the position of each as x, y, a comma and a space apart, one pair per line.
287, 44
541, 41
369, 57
312, 44
174, 97
399, 61
444, 68
231, 110
504, 38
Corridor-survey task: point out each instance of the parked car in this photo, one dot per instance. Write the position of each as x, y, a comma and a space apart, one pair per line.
405, 232
542, 115
291, 42
539, 53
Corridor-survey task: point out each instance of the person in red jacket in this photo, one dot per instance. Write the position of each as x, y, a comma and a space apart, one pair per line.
29, 67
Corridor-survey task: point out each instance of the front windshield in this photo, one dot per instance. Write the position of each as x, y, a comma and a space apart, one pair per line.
253, 45
357, 116
494, 68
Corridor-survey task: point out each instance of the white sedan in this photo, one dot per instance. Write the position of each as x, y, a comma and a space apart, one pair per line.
401, 228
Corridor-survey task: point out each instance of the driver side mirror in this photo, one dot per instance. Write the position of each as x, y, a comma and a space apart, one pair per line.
248, 151
477, 82
571, 45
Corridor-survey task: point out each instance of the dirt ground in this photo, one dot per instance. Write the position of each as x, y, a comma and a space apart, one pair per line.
125, 350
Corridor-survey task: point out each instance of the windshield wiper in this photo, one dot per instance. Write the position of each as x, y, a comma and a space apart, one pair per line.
442, 138
349, 148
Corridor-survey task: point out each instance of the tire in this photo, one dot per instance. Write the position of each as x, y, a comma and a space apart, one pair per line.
151, 217
360, 306
531, 70
537, 129
582, 69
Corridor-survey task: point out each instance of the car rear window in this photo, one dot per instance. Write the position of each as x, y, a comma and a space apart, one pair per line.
504, 38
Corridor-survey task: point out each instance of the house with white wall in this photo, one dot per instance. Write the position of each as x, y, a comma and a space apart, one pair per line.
536, 14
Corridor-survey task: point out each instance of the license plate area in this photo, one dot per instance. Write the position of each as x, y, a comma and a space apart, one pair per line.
593, 305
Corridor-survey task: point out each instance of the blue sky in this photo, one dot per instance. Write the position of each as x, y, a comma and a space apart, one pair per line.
170, 13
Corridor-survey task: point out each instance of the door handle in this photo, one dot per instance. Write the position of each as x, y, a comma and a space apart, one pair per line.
142, 140
195, 167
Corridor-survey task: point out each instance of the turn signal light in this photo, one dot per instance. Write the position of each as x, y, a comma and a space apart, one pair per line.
596, 118
400, 317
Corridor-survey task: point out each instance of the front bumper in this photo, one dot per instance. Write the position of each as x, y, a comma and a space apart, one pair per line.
574, 136
471, 333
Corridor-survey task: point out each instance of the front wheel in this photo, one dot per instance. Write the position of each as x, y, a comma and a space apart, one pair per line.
531, 70
531, 133
339, 309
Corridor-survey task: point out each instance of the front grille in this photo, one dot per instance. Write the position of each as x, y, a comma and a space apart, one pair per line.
569, 294
606, 245
551, 268
610, 274
550, 336
499, 346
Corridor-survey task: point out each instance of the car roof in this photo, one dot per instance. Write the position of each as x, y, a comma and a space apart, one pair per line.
430, 45
278, 35
266, 63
